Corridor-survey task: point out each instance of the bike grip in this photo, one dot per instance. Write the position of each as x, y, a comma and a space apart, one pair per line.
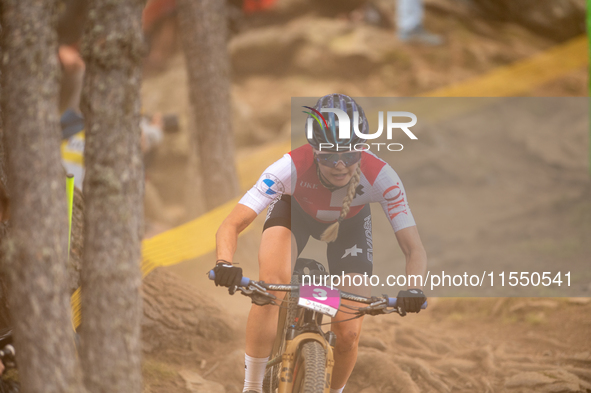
392, 303
243, 282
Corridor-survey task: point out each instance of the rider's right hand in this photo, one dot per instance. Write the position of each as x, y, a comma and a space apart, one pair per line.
410, 301
227, 275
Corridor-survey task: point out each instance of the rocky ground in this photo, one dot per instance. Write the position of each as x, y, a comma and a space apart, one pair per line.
193, 344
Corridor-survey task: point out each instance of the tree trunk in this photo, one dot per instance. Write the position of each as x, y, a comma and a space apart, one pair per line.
203, 27
113, 188
4, 209
4, 201
36, 249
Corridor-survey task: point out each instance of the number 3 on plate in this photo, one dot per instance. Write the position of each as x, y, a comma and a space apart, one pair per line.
319, 294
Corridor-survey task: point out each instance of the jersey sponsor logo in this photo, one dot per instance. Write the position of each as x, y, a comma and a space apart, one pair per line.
270, 186
359, 190
368, 239
306, 184
396, 201
307, 200
360, 198
271, 206
353, 251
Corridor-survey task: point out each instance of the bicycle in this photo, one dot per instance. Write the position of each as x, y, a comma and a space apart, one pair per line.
302, 356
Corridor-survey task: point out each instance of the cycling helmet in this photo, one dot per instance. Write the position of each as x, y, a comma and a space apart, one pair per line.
325, 124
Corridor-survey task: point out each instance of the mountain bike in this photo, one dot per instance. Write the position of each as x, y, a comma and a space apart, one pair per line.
302, 356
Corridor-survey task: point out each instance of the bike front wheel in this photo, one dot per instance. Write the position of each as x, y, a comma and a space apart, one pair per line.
310, 372
287, 317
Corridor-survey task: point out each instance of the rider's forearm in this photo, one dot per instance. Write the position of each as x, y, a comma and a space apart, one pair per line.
226, 241
416, 265
227, 234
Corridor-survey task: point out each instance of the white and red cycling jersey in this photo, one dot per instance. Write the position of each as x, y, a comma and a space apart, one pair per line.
295, 174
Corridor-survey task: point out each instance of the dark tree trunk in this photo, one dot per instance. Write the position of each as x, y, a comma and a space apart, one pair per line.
203, 25
36, 249
4, 209
4, 202
111, 278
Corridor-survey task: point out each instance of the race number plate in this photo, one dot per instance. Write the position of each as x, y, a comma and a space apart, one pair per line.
321, 299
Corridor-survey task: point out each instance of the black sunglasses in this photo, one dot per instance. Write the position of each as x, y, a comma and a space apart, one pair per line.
332, 159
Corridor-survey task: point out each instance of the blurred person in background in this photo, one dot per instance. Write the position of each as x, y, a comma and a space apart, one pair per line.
161, 31
70, 28
409, 23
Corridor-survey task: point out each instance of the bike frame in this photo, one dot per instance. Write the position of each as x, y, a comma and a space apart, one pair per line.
307, 328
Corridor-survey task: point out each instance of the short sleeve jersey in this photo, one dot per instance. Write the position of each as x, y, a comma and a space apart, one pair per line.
295, 174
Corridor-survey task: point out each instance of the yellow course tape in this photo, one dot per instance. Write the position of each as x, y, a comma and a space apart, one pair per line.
197, 238
522, 76
185, 242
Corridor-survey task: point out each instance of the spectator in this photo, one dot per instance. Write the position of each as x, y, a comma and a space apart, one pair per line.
409, 22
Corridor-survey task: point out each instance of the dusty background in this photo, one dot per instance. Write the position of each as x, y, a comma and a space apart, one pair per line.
194, 332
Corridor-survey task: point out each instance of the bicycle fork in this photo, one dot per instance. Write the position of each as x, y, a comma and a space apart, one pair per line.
286, 376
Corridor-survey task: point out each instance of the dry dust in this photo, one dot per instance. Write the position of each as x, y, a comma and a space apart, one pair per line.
456, 345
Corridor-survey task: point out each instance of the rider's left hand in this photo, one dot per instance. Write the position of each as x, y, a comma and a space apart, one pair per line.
410, 300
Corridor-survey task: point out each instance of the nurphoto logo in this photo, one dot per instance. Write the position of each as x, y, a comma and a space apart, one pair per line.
343, 123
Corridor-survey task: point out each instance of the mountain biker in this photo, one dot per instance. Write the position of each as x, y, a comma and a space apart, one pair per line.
325, 194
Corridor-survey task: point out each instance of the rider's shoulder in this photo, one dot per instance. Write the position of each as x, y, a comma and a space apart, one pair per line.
303, 151
302, 156
372, 165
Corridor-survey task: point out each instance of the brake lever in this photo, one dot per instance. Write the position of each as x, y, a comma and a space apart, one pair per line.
257, 294
379, 307
262, 300
243, 290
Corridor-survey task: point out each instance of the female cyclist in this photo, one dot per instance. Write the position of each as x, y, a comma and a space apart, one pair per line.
324, 194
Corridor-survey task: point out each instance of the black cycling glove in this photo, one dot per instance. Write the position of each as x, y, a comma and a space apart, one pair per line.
227, 275
410, 301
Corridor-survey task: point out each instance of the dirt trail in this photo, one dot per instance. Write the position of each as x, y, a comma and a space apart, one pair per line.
456, 345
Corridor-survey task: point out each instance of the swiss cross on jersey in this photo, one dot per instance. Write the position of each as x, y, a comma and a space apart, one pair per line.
375, 185
295, 174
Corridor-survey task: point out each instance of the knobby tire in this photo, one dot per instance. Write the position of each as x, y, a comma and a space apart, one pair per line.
310, 370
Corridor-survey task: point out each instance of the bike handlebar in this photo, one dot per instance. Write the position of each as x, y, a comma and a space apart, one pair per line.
245, 281
392, 303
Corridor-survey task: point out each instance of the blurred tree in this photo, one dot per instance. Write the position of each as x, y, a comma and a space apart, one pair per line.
35, 251
4, 201
113, 186
203, 25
